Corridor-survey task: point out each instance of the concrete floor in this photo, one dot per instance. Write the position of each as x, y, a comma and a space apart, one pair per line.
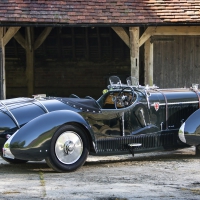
161, 175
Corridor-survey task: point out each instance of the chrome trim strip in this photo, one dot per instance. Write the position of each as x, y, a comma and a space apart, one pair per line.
196, 91
123, 132
42, 105
181, 133
147, 98
6, 147
173, 89
176, 103
13, 117
19, 100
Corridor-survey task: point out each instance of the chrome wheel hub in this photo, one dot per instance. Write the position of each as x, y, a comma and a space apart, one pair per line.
68, 147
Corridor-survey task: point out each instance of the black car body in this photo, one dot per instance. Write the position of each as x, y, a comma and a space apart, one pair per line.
126, 119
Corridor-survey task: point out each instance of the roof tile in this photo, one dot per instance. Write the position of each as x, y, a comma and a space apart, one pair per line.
100, 11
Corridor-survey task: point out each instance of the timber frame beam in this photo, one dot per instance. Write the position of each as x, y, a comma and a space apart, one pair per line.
122, 34
5, 36
9, 35
134, 42
161, 30
41, 38
30, 45
168, 30
158, 30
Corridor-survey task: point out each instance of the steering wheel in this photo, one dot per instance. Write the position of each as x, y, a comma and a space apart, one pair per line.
124, 100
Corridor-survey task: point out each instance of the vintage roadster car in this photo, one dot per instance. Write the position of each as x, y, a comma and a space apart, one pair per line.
126, 119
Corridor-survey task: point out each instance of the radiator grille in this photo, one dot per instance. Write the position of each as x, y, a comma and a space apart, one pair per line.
177, 113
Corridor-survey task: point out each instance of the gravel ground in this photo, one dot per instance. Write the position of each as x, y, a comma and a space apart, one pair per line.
160, 175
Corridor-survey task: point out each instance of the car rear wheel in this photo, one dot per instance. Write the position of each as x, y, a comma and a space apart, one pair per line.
68, 150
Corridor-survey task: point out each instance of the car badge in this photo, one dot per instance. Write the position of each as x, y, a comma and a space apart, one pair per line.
156, 105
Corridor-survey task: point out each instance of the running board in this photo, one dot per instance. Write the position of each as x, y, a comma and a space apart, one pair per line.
135, 145
140, 143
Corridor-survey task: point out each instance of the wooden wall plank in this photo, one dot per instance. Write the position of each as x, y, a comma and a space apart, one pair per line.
111, 44
99, 42
87, 46
176, 62
197, 59
180, 47
59, 43
157, 69
73, 44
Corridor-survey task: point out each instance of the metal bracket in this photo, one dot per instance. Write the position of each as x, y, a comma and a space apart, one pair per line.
132, 147
12, 116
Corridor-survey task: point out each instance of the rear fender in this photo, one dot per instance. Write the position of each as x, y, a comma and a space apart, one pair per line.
189, 132
32, 141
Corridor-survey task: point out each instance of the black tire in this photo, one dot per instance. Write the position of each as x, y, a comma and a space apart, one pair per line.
68, 149
197, 153
14, 161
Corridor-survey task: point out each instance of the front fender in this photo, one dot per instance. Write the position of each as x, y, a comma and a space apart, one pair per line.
32, 141
189, 132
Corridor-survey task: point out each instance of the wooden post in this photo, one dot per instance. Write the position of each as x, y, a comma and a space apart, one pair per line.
29, 61
148, 48
2, 66
29, 45
5, 37
134, 51
30, 72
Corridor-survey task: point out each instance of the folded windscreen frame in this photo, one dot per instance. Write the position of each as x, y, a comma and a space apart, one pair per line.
114, 81
132, 81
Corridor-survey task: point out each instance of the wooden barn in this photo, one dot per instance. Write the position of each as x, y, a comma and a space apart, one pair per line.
73, 46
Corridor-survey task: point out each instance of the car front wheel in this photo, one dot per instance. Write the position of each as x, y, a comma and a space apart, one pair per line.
68, 150
197, 150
